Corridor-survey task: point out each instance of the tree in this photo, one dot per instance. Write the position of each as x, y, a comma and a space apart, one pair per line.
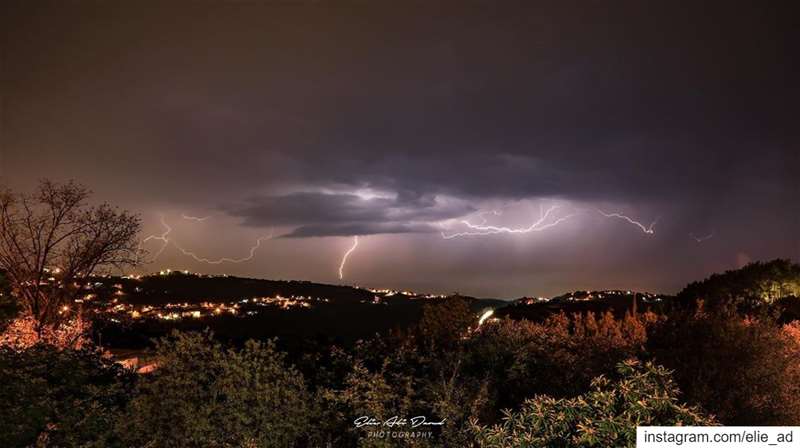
8, 307
558, 357
202, 394
365, 394
753, 285
741, 369
445, 321
52, 242
606, 416
64, 398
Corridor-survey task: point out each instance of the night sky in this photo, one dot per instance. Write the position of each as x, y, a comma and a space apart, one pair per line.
315, 121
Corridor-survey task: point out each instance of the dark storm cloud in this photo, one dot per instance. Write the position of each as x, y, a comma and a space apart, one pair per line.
629, 102
359, 229
277, 113
342, 214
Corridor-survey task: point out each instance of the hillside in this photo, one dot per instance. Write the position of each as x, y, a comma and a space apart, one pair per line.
129, 311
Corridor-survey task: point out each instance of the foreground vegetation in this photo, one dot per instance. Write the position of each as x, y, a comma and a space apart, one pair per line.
724, 352
571, 380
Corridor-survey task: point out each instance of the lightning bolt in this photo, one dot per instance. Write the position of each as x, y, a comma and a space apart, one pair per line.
346, 255
700, 239
537, 226
163, 237
648, 230
195, 218
225, 259
482, 215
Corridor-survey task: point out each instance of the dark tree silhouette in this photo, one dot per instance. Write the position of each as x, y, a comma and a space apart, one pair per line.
445, 321
753, 285
8, 307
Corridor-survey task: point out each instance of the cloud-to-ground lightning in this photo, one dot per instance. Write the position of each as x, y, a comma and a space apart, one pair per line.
700, 239
163, 237
544, 222
646, 229
194, 218
346, 255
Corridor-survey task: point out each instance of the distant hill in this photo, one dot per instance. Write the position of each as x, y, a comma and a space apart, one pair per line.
240, 308
129, 311
618, 302
753, 284
773, 284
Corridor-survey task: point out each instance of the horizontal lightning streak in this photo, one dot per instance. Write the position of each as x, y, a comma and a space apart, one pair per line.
163, 237
224, 259
537, 226
195, 218
648, 229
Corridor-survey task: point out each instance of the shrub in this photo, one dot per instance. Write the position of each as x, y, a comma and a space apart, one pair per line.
606, 416
558, 357
24, 332
444, 322
743, 370
202, 394
366, 394
59, 397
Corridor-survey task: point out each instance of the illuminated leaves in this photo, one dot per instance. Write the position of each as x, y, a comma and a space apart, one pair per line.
605, 416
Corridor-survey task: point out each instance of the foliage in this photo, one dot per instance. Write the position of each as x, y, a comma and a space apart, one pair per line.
395, 375
521, 357
51, 242
444, 321
24, 332
456, 398
605, 416
202, 394
376, 378
752, 285
365, 394
64, 398
743, 370
550, 376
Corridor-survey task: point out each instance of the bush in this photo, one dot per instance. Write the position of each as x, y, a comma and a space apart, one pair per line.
60, 398
202, 394
743, 370
444, 322
558, 357
606, 416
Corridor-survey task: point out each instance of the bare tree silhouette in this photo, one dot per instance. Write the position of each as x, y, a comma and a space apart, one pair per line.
52, 242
